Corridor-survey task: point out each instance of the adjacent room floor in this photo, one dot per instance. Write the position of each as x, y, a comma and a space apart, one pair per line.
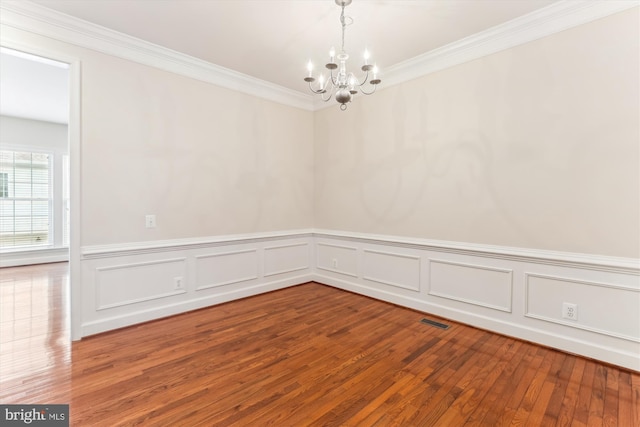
306, 355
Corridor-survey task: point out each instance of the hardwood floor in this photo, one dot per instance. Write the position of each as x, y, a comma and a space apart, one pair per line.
307, 355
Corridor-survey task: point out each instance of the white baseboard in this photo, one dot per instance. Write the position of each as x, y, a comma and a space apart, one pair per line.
38, 256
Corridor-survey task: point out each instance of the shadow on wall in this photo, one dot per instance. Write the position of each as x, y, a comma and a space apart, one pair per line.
255, 183
425, 173
271, 183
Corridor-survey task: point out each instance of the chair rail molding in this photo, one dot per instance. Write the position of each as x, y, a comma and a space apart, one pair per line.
565, 259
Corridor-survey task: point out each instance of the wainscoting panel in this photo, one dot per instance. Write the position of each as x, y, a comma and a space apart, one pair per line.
341, 259
129, 284
391, 268
515, 292
603, 308
286, 258
125, 284
225, 268
473, 284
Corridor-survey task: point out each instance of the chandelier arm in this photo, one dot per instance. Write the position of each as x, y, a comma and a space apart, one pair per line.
328, 92
333, 80
318, 91
368, 93
366, 78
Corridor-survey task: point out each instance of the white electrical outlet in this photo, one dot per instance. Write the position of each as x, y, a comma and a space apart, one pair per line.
569, 311
150, 221
178, 283
334, 263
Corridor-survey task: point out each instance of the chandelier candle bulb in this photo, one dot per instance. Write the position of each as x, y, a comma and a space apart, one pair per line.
366, 57
310, 68
332, 55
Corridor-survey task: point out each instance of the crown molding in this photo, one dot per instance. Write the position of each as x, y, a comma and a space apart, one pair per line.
549, 20
543, 22
30, 17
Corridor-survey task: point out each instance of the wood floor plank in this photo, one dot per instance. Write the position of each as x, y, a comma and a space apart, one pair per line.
596, 405
446, 383
506, 368
611, 398
559, 376
625, 410
531, 391
508, 403
308, 355
457, 409
635, 398
570, 400
536, 417
581, 413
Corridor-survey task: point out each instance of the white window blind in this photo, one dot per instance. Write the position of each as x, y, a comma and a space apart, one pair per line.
26, 205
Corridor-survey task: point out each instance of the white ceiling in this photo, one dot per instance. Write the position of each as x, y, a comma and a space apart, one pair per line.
273, 39
33, 88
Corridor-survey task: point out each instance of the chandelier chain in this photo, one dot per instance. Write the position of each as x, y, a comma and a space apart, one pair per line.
343, 27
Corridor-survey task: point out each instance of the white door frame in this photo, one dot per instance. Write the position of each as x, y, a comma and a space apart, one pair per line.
74, 136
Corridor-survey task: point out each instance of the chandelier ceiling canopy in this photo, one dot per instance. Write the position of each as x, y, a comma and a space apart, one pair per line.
339, 81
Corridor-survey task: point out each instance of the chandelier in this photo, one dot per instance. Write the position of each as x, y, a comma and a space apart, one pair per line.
344, 84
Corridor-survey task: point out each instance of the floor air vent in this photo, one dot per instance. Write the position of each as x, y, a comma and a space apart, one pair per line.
434, 323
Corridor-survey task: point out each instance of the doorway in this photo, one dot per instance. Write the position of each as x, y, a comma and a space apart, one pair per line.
39, 181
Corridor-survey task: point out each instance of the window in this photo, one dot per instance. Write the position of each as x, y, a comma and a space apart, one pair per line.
4, 184
25, 206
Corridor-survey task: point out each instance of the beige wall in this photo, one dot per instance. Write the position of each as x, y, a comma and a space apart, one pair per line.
206, 160
536, 146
